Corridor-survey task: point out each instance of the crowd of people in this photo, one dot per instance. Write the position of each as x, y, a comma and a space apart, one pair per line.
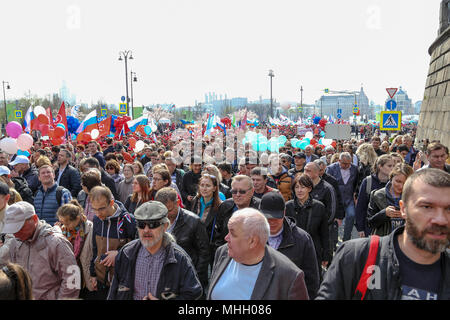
98, 220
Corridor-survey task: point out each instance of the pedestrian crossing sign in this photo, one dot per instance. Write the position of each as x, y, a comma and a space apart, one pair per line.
391, 120
123, 108
18, 114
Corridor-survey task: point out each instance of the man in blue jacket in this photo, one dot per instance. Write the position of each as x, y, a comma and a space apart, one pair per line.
346, 174
154, 267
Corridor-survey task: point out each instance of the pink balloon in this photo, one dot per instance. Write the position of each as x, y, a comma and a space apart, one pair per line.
25, 141
13, 129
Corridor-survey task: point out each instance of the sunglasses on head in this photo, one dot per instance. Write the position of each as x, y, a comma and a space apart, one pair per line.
150, 223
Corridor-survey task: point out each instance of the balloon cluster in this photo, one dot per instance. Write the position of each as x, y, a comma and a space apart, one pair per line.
226, 121
72, 124
17, 142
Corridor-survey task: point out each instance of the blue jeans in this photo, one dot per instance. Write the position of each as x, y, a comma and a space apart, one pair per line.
349, 221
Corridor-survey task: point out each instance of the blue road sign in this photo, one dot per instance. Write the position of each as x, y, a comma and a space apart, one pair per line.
391, 120
339, 116
123, 98
391, 104
339, 111
123, 108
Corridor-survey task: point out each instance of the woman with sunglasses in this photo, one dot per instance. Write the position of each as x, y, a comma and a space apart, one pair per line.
140, 195
206, 205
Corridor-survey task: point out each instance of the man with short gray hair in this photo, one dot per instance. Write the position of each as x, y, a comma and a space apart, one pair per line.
246, 268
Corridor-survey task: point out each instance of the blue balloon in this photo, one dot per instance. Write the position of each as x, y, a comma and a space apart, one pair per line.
282, 139
316, 120
72, 124
23, 153
322, 134
148, 129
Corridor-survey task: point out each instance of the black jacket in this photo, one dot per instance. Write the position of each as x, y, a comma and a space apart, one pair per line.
101, 160
31, 175
178, 279
224, 214
340, 210
345, 271
190, 186
325, 193
363, 203
313, 218
376, 212
190, 234
225, 190
179, 180
70, 179
298, 246
110, 149
108, 181
21, 186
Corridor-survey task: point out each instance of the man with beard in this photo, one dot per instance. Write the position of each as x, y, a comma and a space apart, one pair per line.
412, 262
154, 267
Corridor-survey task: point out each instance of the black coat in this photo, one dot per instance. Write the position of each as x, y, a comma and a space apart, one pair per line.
343, 275
298, 246
190, 186
313, 218
178, 279
21, 186
190, 234
108, 181
225, 190
70, 179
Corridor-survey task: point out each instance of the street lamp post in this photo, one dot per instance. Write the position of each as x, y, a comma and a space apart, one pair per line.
133, 79
125, 55
271, 75
4, 99
301, 102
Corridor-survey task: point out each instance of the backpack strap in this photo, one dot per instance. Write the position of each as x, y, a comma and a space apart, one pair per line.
371, 259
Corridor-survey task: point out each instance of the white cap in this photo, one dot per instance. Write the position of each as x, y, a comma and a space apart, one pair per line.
4, 170
19, 159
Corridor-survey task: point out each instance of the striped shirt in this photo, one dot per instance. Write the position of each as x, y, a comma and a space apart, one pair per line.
147, 272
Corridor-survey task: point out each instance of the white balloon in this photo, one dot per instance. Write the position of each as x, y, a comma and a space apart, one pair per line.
94, 134
327, 142
9, 145
309, 135
39, 110
139, 146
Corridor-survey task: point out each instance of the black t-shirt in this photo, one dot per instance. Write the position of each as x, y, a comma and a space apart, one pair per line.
418, 281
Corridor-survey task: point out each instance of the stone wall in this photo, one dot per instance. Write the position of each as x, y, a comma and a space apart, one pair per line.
434, 121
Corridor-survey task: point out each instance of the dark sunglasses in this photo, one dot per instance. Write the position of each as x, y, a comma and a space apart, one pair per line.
240, 191
151, 224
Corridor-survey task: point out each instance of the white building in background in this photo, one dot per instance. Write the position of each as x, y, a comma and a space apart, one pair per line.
417, 107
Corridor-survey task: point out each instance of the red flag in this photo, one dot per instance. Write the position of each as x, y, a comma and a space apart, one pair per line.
50, 118
104, 127
61, 117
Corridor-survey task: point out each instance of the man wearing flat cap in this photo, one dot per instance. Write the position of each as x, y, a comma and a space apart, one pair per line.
43, 251
154, 267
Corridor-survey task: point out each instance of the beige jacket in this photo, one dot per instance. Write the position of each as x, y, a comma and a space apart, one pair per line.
86, 255
48, 257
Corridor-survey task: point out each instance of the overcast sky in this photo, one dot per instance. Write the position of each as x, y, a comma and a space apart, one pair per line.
183, 49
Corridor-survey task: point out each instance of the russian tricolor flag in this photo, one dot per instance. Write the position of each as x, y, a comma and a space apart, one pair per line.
134, 124
27, 121
89, 123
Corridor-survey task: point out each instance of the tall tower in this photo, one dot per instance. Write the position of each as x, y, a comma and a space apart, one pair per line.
435, 112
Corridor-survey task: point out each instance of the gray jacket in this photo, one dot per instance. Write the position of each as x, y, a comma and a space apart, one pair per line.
279, 278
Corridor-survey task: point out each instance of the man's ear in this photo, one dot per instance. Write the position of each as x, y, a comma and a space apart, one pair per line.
403, 209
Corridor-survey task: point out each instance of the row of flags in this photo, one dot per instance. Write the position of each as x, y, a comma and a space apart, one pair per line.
89, 123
